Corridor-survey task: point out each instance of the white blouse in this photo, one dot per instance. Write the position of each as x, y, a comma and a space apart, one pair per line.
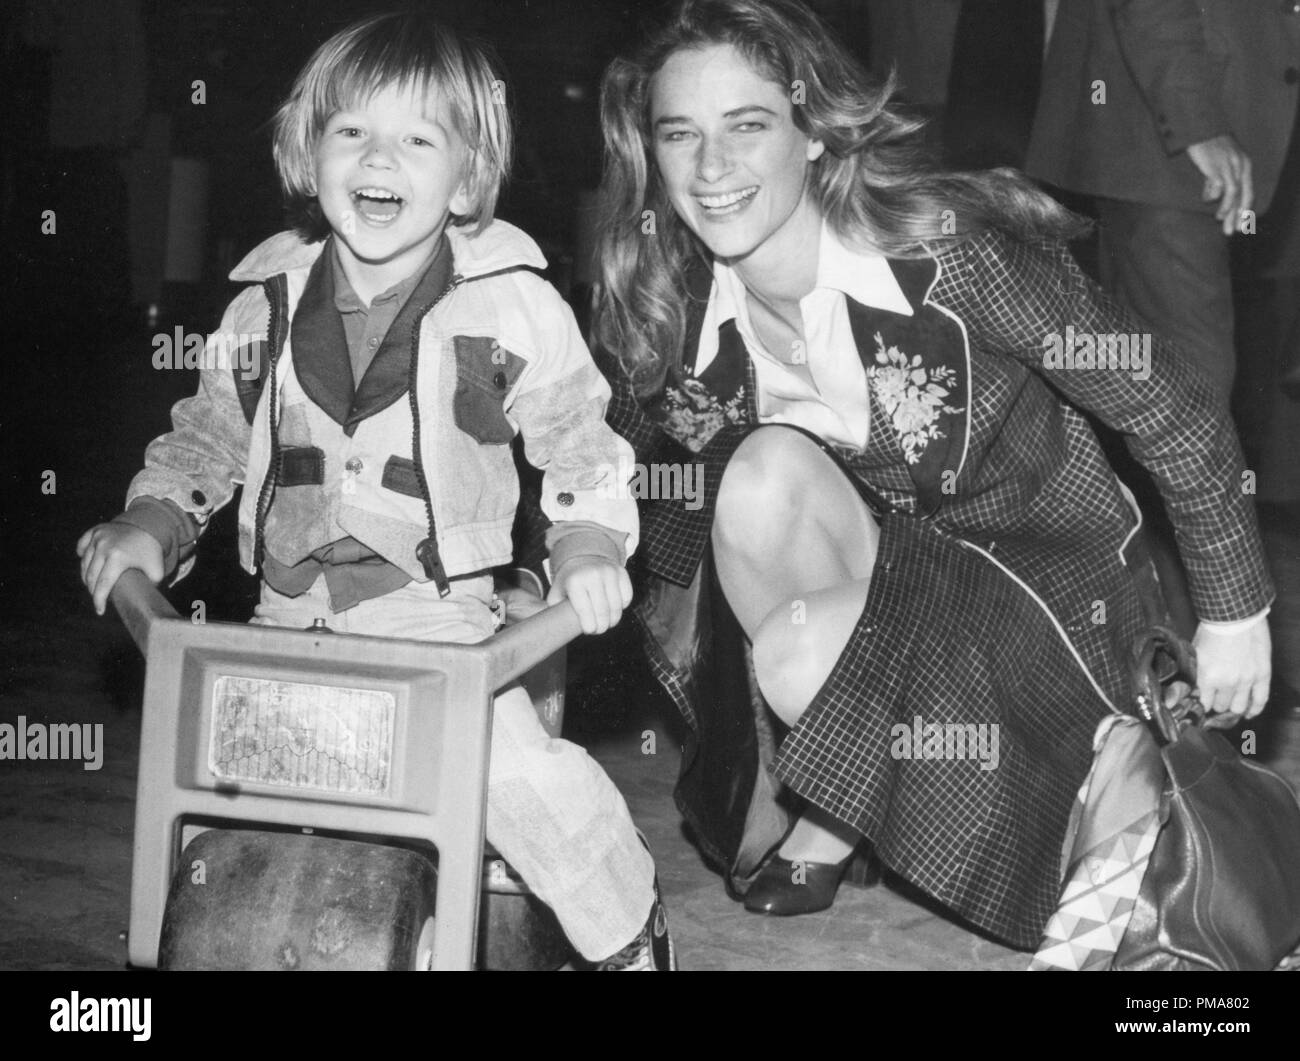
835, 405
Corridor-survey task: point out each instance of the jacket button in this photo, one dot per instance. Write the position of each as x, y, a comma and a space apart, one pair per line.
565, 498
354, 465
1291, 76
199, 497
500, 380
1290, 7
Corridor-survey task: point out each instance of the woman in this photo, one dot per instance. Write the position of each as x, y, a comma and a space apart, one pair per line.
927, 547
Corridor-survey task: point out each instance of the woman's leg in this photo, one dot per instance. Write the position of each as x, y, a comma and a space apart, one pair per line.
794, 546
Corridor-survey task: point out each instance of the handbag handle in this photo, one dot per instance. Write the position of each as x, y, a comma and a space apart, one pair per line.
1180, 659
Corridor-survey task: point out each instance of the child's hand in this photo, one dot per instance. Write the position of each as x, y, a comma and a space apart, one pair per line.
109, 549
598, 590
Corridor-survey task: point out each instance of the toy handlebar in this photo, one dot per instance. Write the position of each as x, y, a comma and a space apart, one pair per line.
517, 649
139, 605
513, 651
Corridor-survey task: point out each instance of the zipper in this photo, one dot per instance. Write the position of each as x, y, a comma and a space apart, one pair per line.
427, 551
277, 296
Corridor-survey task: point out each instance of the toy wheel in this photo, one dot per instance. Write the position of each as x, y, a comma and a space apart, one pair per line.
262, 900
424, 948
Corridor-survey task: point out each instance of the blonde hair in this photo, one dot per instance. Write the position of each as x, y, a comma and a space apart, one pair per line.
875, 183
395, 49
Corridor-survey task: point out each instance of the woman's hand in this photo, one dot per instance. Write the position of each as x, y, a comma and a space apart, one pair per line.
109, 549
598, 590
1233, 670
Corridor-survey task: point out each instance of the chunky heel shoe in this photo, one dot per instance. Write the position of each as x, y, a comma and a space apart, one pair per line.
866, 869
784, 888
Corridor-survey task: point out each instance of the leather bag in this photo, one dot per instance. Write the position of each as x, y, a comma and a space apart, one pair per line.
1222, 889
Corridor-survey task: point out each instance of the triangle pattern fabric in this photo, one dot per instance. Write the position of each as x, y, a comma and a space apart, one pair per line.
1101, 883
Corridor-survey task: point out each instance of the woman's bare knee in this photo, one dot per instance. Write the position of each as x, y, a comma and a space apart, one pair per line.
762, 489
780, 488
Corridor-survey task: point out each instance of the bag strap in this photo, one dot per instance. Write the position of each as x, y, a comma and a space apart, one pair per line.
1160, 656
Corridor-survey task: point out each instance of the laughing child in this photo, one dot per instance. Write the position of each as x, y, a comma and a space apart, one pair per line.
407, 341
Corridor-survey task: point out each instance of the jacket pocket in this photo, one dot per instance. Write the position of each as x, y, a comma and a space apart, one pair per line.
399, 476
485, 372
301, 466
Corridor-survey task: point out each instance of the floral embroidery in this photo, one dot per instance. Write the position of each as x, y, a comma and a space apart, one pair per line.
912, 396
692, 415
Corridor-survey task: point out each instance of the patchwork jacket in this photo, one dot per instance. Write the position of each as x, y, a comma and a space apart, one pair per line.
426, 438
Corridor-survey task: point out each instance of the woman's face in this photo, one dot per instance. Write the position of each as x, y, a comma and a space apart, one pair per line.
732, 160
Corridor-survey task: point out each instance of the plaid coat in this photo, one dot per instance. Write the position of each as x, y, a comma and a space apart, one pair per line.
1007, 586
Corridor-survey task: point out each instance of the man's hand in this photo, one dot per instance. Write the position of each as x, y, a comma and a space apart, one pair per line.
1234, 670
109, 549
1227, 172
598, 591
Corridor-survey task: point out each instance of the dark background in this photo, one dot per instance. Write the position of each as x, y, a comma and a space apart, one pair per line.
83, 304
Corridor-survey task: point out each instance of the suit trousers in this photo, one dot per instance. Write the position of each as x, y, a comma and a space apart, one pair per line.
1171, 268
552, 812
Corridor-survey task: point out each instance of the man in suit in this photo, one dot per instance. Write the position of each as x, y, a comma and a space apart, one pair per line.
1175, 115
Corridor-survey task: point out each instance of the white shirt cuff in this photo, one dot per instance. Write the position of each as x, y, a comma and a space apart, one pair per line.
1238, 625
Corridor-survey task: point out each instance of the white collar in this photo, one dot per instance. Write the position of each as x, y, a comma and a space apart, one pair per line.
863, 276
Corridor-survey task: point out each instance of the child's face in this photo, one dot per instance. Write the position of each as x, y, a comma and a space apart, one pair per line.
389, 172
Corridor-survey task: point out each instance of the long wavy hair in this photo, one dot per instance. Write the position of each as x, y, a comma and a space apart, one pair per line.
875, 184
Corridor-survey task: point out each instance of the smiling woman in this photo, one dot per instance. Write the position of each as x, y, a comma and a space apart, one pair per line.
906, 522
732, 159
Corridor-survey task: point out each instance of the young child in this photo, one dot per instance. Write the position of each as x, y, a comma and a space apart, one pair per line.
406, 341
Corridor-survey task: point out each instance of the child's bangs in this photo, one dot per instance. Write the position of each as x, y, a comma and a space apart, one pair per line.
419, 63
413, 53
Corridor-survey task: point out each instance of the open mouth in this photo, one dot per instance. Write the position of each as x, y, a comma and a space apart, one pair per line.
727, 203
377, 205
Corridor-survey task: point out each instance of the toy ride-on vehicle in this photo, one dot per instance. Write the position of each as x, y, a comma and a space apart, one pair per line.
312, 800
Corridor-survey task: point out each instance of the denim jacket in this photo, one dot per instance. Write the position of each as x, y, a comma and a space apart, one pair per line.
498, 353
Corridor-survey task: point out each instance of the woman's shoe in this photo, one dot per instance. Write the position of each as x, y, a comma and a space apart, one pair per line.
784, 888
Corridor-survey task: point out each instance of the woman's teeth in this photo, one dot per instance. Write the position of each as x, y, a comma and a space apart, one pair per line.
728, 203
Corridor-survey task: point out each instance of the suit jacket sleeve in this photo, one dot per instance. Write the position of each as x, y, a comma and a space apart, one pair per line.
625, 414
1163, 44
1017, 297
